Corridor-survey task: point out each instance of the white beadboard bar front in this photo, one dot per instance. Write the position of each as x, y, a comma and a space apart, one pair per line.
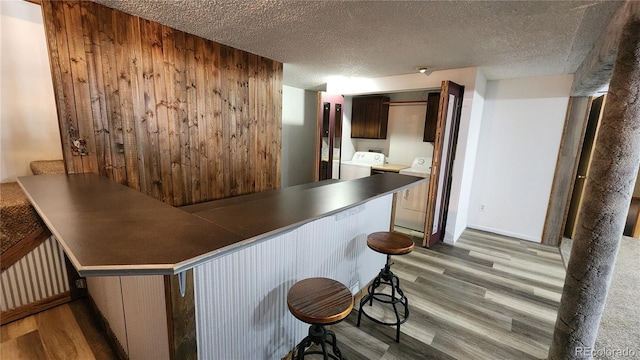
241, 298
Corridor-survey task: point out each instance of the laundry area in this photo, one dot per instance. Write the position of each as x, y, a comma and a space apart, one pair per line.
366, 135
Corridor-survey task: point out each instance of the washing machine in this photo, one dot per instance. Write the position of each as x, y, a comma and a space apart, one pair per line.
360, 165
411, 206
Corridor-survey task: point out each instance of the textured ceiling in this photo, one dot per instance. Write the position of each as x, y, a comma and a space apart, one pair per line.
318, 39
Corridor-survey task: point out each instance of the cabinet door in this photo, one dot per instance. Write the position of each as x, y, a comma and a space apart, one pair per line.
431, 119
338, 122
359, 118
383, 117
372, 118
369, 117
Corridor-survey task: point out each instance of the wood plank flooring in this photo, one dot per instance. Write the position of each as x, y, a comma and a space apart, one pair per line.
67, 331
487, 297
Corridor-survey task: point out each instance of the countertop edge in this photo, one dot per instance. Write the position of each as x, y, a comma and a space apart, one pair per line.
45, 219
191, 263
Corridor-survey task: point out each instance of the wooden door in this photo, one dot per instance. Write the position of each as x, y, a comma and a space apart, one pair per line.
442, 164
583, 166
328, 135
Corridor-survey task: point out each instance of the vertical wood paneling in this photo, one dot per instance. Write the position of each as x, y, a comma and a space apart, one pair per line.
230, 116
80, 83
263, 132
192, 116
122, 29
136, 64
183, 114
175, 116
173, 119
58, 60
201, 113
149, 126
275, 128
252, 113
95, 79
113, 114
216, 163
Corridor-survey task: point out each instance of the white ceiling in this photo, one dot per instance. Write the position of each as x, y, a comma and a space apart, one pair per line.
318, 39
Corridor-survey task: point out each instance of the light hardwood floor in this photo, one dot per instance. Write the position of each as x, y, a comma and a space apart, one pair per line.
487, 297
67, 332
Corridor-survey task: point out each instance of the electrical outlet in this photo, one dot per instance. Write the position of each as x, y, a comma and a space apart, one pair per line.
81, 283
481, 207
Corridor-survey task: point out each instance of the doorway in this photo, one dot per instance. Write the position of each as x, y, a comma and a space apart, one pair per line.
329, 136
444, 153
583, 165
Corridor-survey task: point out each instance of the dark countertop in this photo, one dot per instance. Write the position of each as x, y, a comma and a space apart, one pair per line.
109, 229
390, 167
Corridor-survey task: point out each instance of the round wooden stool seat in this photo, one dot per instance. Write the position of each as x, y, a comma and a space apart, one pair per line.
319, 301
390, 243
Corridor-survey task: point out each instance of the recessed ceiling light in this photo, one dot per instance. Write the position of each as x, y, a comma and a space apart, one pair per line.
422, 69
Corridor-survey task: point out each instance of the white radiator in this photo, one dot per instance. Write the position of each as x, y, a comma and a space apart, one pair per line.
39, 275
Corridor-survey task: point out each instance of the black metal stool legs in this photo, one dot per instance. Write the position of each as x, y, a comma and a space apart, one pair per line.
320, 336
386, 277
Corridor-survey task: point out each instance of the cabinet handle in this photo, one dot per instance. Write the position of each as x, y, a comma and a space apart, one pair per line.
406, 194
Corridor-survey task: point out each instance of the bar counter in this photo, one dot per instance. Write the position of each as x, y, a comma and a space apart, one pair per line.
209, 280
109, 229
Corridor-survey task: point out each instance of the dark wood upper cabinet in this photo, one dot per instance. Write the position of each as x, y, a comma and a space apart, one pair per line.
431, 119
369, 117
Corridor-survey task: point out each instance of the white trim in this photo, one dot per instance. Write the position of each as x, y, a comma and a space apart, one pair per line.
505, 233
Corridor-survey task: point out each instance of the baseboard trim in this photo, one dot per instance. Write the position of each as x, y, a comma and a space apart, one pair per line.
505, 233
34, 307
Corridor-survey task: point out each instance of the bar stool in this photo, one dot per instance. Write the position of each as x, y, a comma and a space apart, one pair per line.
319, 302
388, 243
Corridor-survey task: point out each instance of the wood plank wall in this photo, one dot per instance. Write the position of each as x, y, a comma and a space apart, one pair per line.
175, 116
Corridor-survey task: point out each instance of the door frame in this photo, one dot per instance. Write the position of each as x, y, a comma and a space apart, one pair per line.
574, 202
332, 100
448, 88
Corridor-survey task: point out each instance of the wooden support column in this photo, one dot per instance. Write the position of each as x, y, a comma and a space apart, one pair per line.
181, 318
608, 191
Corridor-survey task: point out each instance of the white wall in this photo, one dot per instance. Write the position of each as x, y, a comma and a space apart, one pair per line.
348, 147
406, 131
299, 108
522, 125
28, 120
465, 162
468, 134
